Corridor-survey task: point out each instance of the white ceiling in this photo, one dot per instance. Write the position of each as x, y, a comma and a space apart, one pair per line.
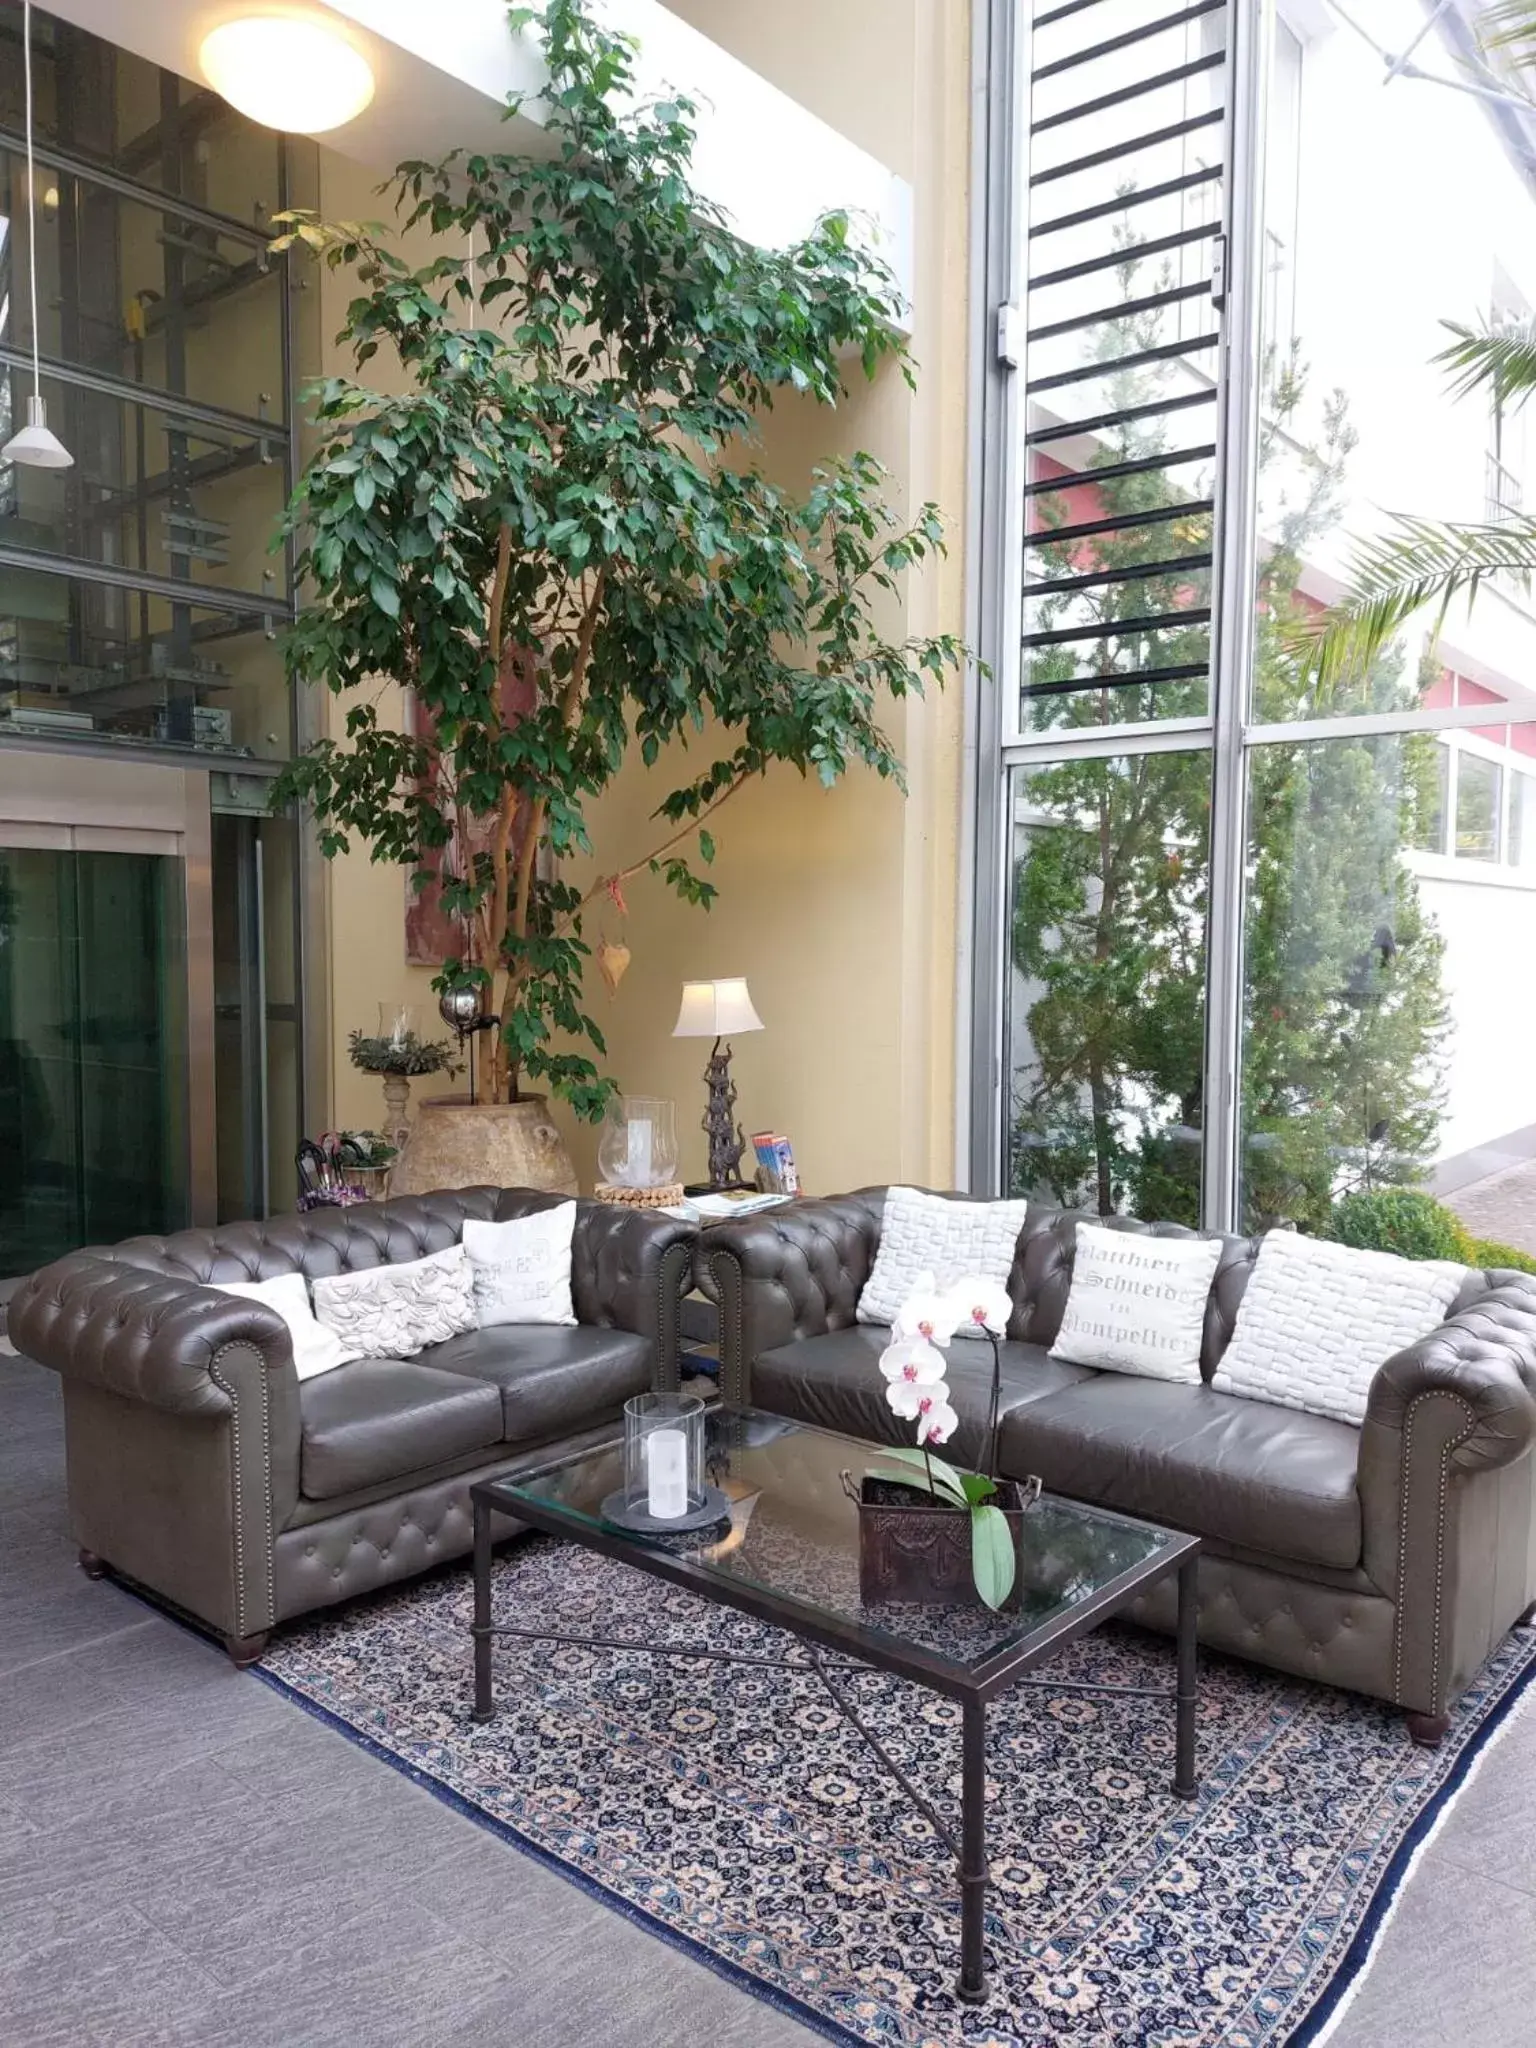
443, 70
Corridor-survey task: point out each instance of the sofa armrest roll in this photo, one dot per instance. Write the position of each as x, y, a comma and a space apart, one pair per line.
147, 1336
786, 1273
1445, 1492
1483, 1360
629, 1270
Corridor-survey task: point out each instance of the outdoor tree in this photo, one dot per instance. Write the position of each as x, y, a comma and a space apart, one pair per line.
557, 539
1344, 1011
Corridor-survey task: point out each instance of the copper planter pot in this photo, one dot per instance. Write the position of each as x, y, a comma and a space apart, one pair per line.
917, 1551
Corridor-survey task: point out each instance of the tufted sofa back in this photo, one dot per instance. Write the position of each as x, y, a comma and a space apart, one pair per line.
1041, 1274
605, 1255
317, 1244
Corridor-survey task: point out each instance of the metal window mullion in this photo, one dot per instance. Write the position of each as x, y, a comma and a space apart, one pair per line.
1368, 724
1000, 176
1233, 599
154, 197
1100, 742
151, 397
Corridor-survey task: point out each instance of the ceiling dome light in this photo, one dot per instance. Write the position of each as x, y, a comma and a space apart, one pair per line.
289, 71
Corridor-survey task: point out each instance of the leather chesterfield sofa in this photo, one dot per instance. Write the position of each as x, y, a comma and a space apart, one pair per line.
1389, 1559
201, 1467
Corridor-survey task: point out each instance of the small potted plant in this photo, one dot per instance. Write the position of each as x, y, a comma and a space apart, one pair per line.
928, 1531
367, 1157
398, 1056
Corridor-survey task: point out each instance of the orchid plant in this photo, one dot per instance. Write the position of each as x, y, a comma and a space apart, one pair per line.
917, 1390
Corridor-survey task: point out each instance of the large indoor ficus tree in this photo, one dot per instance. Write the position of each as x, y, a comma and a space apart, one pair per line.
556, 536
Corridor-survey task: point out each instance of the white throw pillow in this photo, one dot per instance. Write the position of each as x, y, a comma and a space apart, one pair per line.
932, 1234
1318, 1319
315, 1348
1137, 1303
393, 1311
522, 1268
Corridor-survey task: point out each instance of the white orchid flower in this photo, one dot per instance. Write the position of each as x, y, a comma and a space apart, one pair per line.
911, 1401
936, 1420
980, 1305
926, 1313
910, 1365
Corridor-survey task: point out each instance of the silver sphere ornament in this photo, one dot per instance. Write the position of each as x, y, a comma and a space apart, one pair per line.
460, 1008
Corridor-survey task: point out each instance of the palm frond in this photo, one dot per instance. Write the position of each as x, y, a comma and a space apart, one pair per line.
1509, 27
1503, 356
1417, 563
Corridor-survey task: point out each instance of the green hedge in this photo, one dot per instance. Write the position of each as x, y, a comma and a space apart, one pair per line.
1487, 1251
1397, 1220
1416, 1226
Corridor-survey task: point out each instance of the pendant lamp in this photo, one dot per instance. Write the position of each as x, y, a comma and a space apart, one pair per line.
36, 445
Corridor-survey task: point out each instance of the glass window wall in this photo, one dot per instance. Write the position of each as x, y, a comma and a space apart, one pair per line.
140, 600
1106, 983
1280, 956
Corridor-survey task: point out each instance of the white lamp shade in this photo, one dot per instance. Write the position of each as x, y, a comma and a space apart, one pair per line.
287, 70
36, 446
715, 1009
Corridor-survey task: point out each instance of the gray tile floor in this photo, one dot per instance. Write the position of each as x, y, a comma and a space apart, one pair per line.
187, 1859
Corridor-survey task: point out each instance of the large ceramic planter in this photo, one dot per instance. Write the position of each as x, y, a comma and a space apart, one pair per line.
458, 1144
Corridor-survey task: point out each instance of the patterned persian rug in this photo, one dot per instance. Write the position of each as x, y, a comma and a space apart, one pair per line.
736, 1813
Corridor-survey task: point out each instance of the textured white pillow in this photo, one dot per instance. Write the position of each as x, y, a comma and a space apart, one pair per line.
931, 1234
1319, 1318
315, 1348
1137, 1303
393, 1311
522, 1268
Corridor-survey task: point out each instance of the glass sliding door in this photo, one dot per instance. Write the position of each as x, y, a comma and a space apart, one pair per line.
1387, 988
256, 1012
1106, 982
93, 1050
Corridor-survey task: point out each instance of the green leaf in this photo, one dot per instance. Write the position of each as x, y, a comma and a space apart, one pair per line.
706, 846
918, 1470
978, 1487
384, 594
992, 1556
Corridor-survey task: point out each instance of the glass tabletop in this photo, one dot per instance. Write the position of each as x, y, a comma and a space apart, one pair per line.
794, 1538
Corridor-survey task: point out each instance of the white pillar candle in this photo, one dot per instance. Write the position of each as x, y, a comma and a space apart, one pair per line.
666, 1472
637, 1163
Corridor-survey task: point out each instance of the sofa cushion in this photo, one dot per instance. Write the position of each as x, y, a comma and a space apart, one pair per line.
1319, 1320
550, 1380
1270, 1480
835, 1382
380, 1418
948, 1239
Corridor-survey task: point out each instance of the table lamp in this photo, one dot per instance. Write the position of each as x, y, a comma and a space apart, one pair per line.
716, 1009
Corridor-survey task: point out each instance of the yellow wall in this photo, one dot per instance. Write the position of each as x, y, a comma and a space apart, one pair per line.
839, 907
364, 948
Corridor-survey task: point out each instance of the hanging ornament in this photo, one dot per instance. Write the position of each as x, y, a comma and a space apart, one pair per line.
459, 1008
612, 963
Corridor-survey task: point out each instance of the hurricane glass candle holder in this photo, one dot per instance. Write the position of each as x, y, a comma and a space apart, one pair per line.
663, 1457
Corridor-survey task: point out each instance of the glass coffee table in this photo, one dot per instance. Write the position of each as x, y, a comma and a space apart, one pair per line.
790, 1556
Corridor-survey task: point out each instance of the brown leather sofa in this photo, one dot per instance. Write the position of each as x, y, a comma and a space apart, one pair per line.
1389, 1559
200, 1466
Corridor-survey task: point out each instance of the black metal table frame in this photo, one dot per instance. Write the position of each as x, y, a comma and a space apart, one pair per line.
973, 1689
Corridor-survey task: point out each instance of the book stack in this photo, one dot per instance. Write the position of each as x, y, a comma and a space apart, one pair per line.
775, 1163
